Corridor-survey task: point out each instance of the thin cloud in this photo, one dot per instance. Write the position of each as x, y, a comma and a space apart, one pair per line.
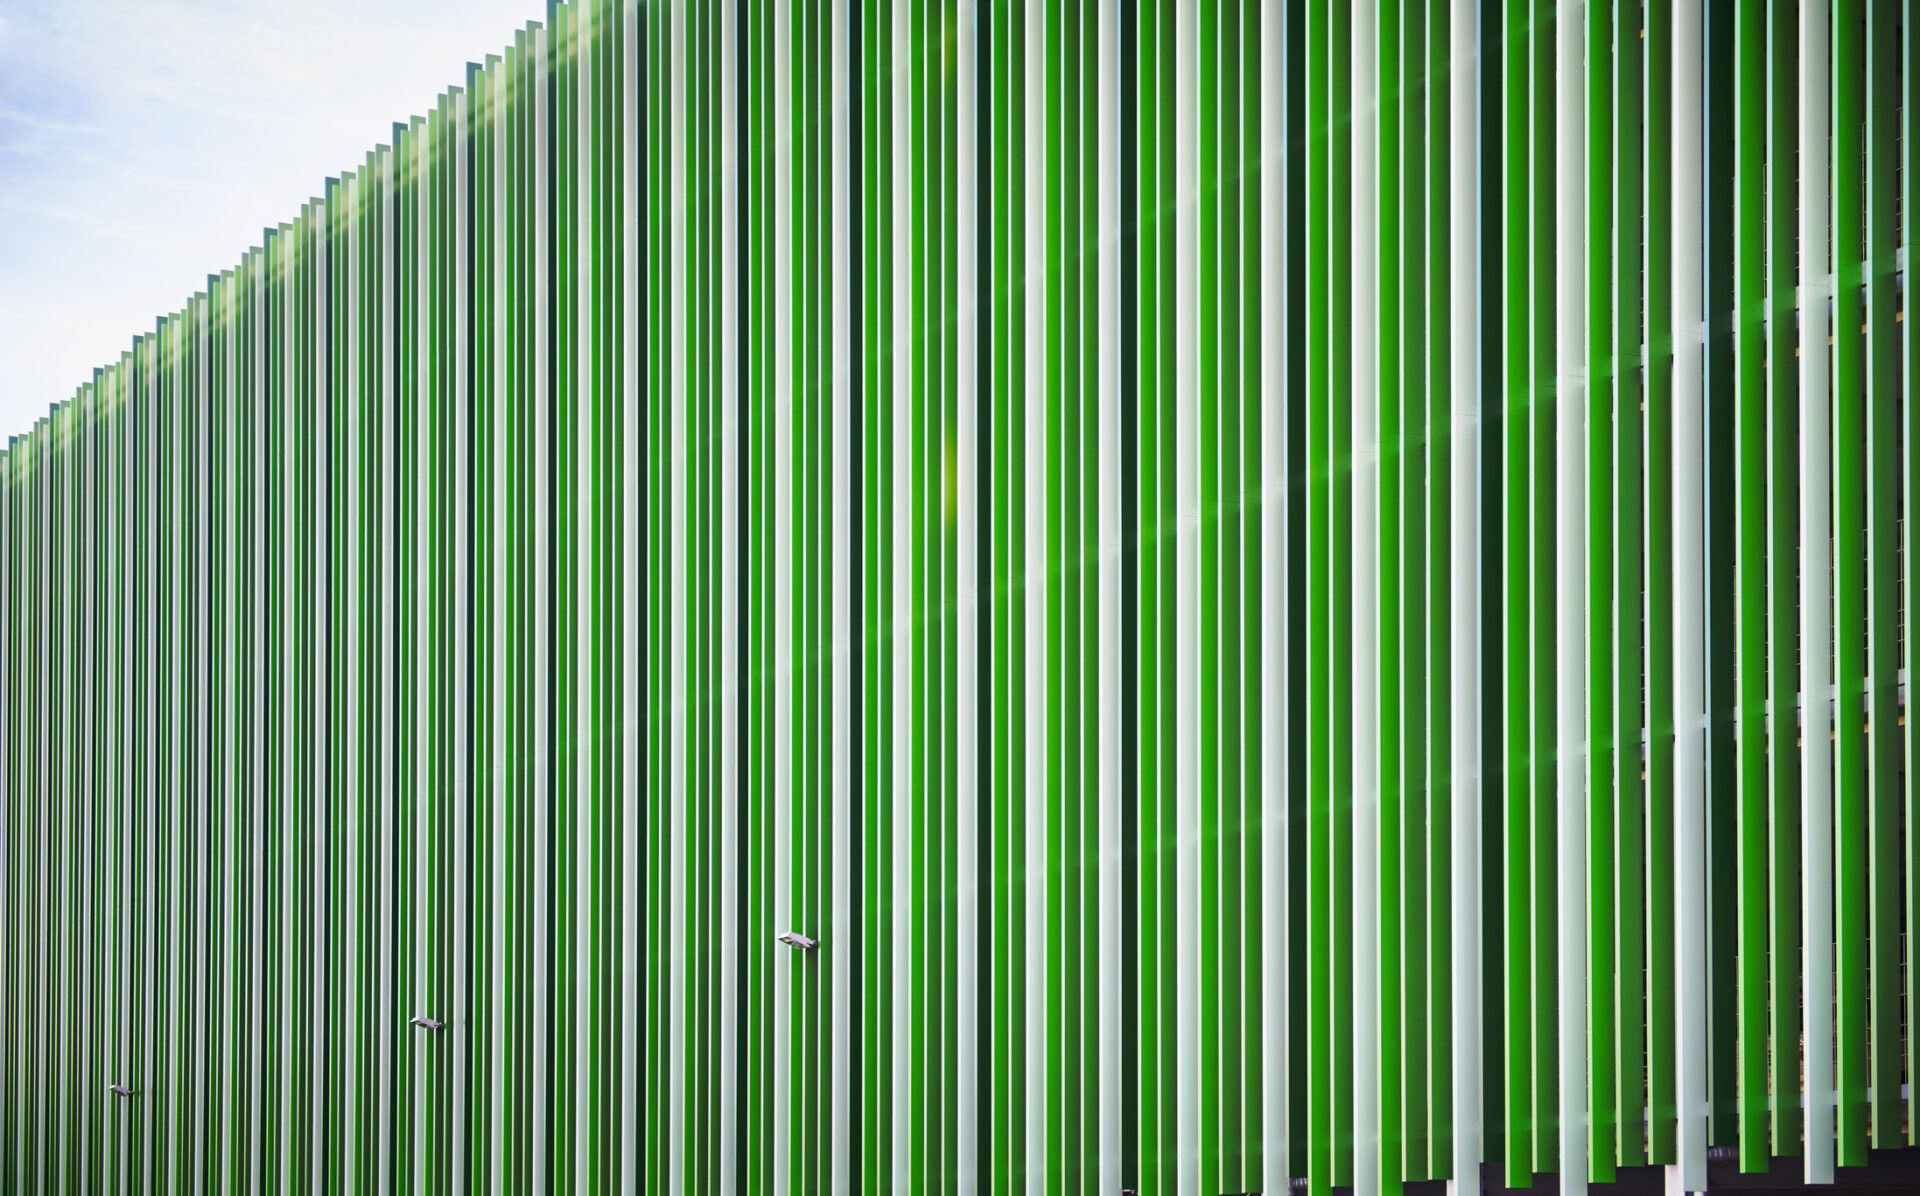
144, 145
40, 122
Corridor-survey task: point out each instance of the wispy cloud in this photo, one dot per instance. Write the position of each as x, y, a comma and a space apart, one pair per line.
43, 123
145, 143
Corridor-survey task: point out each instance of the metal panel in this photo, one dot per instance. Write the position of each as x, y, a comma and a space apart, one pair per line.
1240, 633
1817, 984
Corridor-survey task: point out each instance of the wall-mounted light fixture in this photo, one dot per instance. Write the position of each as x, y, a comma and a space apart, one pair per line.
426, 1023
798, 941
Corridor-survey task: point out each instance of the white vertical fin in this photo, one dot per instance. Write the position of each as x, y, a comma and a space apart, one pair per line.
782, 519
461, 1015
387, 720
1111, 542
732, 407
905, 803
1465, 504
430, 932
350, 740
1364, 330
971, 507
1276, 645
1187, 536
107, 1058
320, 920
285, 798
584, 736
81, 800
1689, 1174
204, 706
323, 983
840, 783
493, 83
632, 472
1034, 403
505, 76
1570, 660
1816, 593
679, 689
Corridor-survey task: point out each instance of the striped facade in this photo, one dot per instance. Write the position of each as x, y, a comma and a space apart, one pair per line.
909, 595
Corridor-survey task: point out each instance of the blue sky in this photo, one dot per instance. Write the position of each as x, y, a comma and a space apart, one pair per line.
144, 144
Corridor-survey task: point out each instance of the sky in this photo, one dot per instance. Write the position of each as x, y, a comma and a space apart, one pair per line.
144, 144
